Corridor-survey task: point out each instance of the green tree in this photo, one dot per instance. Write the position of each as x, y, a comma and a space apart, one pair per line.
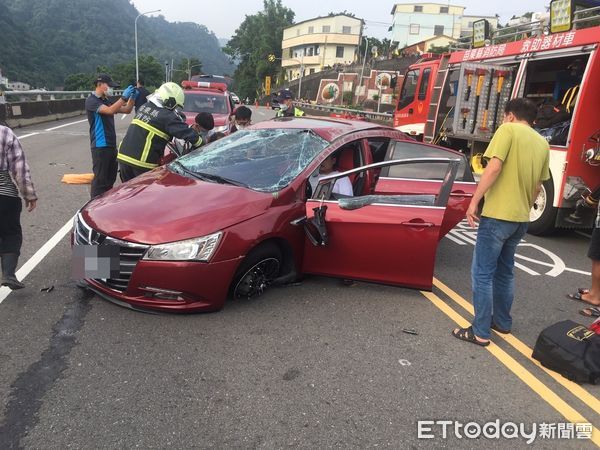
79, 82
439, 49
151, 71
345, 13
187, 68
258, 36
43, 41
383, 47
348, 97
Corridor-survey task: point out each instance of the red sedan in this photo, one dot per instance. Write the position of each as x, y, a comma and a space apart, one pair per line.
255, 209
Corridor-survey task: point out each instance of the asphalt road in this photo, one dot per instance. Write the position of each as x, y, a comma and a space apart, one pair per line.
319, 365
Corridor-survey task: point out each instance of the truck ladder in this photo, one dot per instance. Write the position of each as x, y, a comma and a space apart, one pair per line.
436, 96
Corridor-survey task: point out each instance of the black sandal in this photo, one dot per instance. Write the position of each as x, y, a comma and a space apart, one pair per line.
592, 311
466, 334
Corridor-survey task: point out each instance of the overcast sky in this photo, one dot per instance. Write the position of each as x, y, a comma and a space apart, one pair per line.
223, 17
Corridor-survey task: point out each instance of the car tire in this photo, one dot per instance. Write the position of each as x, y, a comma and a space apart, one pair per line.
543, 214
257, 271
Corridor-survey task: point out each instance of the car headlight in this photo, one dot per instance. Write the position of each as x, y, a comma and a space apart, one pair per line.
220, 129
197, 249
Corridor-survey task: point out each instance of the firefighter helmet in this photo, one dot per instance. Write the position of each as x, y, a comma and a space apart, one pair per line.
171, 95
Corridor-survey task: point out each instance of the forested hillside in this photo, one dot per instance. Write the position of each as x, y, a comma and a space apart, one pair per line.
44, 41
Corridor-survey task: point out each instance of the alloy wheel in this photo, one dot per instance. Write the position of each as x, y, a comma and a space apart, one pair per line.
257, 278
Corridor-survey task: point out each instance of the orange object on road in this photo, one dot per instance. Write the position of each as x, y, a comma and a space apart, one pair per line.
77, 178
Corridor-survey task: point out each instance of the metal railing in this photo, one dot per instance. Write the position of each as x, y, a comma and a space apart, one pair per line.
356, 112
539, 27
40, 96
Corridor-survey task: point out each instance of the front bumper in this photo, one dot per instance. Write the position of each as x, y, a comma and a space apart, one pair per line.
178, 286
173, 286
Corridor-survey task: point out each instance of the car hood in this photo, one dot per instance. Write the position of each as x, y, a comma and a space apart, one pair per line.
162, 206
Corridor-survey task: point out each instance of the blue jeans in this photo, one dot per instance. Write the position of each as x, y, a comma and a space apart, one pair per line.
492, 273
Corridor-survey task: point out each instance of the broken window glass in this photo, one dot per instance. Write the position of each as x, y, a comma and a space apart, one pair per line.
263, 160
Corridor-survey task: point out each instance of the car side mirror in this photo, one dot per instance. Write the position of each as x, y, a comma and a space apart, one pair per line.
315, 227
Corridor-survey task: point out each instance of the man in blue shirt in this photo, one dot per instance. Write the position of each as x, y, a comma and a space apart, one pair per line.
103, 137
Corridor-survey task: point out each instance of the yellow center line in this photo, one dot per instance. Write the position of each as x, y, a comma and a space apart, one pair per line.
523, 349
515, 367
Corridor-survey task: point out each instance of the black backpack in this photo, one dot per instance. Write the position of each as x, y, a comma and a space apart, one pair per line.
571, 350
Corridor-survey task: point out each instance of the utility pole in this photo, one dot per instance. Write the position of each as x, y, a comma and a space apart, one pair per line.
301, 74
137, 66
364, 62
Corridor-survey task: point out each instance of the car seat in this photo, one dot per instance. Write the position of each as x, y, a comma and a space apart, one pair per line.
347, 160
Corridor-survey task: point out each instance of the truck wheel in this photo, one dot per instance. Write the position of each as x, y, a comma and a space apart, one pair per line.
543, 214
257, 271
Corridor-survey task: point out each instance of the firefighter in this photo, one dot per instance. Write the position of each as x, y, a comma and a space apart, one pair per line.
155, 124
286, 105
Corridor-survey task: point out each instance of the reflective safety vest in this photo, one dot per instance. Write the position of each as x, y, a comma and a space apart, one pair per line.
570, 98
147, 136
296, 112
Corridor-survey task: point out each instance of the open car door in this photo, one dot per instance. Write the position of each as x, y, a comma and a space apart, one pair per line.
389, 239
427, 178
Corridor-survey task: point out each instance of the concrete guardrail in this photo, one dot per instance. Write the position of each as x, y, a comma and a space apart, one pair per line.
22, 108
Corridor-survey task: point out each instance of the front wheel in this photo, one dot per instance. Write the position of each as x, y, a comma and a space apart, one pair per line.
543, 214
260, 268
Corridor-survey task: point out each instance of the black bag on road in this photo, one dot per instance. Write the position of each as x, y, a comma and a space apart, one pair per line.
571, 350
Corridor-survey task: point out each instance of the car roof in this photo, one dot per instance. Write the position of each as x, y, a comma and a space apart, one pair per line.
328, 128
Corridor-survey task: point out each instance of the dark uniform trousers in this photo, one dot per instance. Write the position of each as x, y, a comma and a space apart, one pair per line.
105, 166
129, 172
11, 235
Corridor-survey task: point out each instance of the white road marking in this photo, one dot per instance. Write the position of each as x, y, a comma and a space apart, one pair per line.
526, 269
455, 239
50, 129
27, 135
463, 234
38, 256
65, 125
542, 263
49, 245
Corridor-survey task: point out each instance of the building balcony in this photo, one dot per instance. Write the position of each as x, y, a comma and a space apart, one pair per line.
321, 38
295, 62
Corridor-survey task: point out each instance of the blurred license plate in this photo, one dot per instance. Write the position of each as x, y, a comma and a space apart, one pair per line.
95, 261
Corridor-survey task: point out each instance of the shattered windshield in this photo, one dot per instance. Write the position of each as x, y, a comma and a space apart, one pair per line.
263, 160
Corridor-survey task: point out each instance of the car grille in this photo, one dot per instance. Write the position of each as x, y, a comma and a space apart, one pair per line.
129, 253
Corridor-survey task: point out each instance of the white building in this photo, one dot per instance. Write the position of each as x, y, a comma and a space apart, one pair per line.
467, 23
320, 42
3, 79
417, 22
17, 86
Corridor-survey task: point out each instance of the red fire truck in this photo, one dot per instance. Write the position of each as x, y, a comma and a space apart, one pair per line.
457, 100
